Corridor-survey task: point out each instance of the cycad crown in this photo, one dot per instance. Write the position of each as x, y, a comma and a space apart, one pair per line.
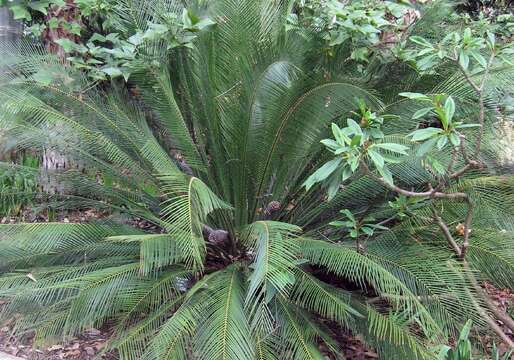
220, 140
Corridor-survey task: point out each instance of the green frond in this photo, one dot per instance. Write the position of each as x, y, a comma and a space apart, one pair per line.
158, 94
391, 336
225, 332
131, 342
171, 338
22, 244
431, 274
97, 296
275, 254
362, 270
156, 250
184, 212
323, 299
299, 338
491, 252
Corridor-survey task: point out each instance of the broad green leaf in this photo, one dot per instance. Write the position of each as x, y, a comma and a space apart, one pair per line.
415, 96
449, 109
491, 39
423, 134
421, 112
339, 223
464, 60
75, 28
97, 37
53, 23
454, 139
322, 173
442, 142
420, 41
397, 148
333, 186
346, 173
348, 214
331, 144
367, 230
338, 38
354, 126
67, 44
112, 72
360, 54
40, 6
20, 13
386, 175
377, 159
354, 163
340, 137
427, 62
479, 58
464, 333
356, 140
341, 149
467, 35
200, 25
426, 147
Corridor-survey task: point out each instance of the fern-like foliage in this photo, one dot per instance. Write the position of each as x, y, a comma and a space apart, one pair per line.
213, 150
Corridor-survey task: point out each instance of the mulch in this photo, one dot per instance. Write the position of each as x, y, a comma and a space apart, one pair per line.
88, 346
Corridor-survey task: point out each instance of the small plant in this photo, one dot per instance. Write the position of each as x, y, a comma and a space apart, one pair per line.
463, 348
18, 186
355, 145
357, 228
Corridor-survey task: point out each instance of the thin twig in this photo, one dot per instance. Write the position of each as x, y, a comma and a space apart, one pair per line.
447, 234
463, 148
383, 222
467, 228
431, 193
468, 78
453, 159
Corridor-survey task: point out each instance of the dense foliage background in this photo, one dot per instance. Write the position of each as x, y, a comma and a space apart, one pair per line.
271, 174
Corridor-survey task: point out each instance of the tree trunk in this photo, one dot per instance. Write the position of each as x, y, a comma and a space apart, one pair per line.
10, 32
54, 161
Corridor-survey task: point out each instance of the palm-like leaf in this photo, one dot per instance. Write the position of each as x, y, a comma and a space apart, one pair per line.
221, 139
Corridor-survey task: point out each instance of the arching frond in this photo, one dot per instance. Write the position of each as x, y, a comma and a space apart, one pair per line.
225, 332
361, 269
189, 202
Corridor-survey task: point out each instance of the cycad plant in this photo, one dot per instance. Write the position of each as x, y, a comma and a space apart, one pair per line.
221, 146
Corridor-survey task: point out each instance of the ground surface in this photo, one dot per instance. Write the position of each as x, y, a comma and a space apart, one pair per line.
4, 356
